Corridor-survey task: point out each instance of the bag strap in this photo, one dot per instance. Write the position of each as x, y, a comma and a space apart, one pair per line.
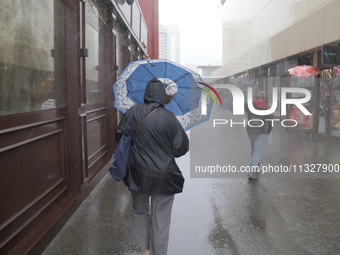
145, 120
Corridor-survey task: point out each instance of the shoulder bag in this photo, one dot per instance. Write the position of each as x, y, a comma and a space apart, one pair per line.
121, 155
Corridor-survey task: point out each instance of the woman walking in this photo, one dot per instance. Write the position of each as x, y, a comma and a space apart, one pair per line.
152, 170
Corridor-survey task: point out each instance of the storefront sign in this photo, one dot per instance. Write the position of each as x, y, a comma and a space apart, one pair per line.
330, 55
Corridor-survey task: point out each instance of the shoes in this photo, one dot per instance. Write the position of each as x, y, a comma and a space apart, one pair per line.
251, 176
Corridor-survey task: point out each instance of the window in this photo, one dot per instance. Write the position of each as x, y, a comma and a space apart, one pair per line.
302, 81
95, 66
270, 81
335, 114
32, 56
277, 85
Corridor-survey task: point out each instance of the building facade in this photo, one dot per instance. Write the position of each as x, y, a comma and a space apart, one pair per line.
169, 42
163, 53
150, 12
173, 42
265, 38
58, 62
207, 73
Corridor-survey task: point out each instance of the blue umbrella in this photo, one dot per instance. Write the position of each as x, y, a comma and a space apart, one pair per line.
178, 80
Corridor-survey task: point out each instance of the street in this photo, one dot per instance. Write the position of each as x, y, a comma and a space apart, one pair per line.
273, 215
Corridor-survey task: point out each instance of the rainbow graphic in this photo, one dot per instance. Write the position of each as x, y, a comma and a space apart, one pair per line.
209, 93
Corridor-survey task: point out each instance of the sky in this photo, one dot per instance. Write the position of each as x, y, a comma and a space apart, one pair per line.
200, 25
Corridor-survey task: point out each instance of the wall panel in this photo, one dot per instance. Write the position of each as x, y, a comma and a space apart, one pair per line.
33, 175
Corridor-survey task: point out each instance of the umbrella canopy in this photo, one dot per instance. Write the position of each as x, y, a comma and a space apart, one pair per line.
178, 80
304, 71
243, 83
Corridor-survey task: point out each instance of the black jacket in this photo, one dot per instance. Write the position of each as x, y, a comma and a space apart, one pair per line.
267, 125
152, 167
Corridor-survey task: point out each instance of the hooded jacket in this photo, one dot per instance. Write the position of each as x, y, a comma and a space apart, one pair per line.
152, 167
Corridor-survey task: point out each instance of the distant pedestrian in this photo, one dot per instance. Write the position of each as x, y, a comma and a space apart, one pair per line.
153, 171
257, 131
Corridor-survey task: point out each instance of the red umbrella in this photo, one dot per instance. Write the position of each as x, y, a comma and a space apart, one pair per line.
304, 71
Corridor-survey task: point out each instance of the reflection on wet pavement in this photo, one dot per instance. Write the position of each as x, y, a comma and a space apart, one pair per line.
224, 215
219, 237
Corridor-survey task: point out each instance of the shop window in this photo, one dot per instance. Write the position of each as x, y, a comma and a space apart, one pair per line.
95, 66
32, 56
277, 85
119, 57
325, 84
263, 83
302, 81
335, 115
257, 81
303, 121
284, 84
270, 82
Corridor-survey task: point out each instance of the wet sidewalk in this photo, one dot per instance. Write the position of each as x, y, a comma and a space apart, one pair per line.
223, 215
